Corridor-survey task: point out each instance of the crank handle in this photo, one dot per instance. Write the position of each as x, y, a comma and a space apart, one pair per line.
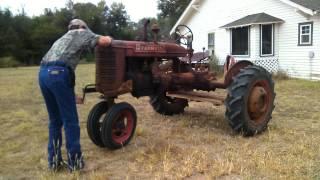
90, 88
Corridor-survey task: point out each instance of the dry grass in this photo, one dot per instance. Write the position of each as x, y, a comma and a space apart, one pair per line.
196, 145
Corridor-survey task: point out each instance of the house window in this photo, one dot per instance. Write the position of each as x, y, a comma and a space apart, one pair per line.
240, 41
211, 39
266, 40
305, 34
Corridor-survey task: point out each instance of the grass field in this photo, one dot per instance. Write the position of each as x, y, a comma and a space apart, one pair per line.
196, 145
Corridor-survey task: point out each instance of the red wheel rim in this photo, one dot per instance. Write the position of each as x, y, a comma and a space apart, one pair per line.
259, 101
122, 127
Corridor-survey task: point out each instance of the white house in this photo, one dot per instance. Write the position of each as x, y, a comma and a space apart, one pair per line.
276, 34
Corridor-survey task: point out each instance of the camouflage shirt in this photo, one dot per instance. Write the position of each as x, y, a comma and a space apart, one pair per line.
70, 47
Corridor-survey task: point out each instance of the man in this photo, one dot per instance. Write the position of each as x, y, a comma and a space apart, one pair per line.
57, 80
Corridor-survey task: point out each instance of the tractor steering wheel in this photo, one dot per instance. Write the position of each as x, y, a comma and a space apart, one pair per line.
183, 35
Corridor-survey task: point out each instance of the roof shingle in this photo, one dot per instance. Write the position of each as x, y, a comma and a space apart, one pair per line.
310, 4
260, 18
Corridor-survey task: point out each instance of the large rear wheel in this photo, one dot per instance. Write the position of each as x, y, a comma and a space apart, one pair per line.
250, 101
167, 105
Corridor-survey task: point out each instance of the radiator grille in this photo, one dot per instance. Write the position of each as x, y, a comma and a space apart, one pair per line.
109, 69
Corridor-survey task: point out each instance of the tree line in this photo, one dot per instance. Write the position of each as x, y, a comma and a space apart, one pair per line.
24, 40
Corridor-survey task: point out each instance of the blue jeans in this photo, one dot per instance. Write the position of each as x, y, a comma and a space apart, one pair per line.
58, 91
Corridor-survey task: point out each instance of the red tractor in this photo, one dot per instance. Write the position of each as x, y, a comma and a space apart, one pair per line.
161, 70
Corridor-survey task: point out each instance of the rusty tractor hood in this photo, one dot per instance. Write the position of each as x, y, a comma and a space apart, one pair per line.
150, 49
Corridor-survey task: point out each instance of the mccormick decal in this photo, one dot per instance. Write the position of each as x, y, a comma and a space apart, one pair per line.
150, 48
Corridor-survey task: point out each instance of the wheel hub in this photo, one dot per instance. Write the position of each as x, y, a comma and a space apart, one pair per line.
257, 103
122, 127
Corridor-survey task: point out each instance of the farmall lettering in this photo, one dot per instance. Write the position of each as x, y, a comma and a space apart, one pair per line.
150, 48
164, 72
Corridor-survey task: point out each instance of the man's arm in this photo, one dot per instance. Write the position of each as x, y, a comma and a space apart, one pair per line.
104, 41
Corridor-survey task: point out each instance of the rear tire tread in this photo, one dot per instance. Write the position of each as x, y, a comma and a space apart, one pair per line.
92, 128
236, 106
161, 105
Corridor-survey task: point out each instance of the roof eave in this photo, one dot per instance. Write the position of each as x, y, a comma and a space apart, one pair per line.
308, 11
244, 25
184, 14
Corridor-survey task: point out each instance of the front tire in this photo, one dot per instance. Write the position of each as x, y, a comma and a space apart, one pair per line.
250, 101
118, 126
94, 122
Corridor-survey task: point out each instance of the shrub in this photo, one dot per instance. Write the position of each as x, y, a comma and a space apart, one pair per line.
281, 75
6, 62
214, 65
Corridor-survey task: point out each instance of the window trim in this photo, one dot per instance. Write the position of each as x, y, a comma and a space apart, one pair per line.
310, 34
249, 43
272, 43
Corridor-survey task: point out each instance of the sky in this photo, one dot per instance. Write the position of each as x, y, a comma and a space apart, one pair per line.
137, 9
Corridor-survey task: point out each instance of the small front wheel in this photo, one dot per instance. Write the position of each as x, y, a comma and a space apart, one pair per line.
118, 126
94, 122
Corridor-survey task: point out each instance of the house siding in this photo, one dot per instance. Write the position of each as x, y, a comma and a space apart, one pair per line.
212, 14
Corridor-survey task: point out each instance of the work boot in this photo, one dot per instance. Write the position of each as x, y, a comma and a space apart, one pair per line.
55, 166
75, 163
56, 162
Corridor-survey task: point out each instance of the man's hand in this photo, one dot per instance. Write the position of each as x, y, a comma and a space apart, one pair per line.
104, 41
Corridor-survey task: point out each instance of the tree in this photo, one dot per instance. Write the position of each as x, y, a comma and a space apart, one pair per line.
22, 26
139, 28
171, 10
89, 13
118, 22
62, 18
7, 33
15, 34
44, 32
28, 39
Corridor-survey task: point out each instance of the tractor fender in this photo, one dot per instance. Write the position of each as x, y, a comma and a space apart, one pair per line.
234, 70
